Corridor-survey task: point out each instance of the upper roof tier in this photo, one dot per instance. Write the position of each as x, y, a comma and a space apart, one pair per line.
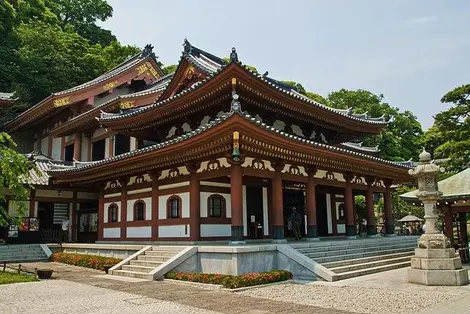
213, 73
139, 65
7, 99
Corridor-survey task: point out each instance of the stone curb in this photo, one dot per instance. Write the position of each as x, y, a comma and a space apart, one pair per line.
221, 288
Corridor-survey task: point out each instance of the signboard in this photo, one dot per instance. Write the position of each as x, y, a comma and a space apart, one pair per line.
13, 231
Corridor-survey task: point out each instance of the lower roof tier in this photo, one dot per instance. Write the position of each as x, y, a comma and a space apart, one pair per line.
216, 139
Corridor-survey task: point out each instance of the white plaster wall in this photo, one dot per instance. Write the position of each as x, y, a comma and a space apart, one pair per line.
98, 132
265, 212
162, 200
106, 207
139, 232
173, 185
56, 148
203, 203
45, 145
218, 184
133, 144
148, 208
112, 195
106, 147
36, 209
216, 230
139, 191
328, 214
84, 151
54, 193
178, 231
111, 232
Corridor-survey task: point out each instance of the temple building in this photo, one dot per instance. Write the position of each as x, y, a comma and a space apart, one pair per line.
213, 151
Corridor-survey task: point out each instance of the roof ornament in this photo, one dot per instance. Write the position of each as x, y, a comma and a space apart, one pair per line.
265, 74
235, 105
234, 55
148, 51
186, 46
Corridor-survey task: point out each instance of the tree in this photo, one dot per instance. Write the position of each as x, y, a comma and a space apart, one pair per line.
169, 69
14, 172
400, 140
449, 137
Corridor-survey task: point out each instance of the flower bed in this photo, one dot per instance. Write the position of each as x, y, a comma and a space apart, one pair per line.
84, 260
233, 282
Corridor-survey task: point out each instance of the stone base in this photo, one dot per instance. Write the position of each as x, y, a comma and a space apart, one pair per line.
312, 231
278, 232
312, 239
434, 241
371, 230
435, 253
236, 243
279, 241
237, 234
426, 277
436, 263
390, 235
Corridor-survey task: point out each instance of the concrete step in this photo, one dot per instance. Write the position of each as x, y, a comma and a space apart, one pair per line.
153, 258
140, 269
174, 249
323, 260
132, 274
145, 263
372, 270
353, 267
367, 259
160, 253
314, 248
317, 254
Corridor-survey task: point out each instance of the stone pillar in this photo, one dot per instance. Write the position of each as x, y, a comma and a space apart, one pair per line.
278, 203
448, 224
312, 232
371, 224
389, 224
434, 263
77, 146
236, 192
123, 182
349, 206
194, 203
155, 194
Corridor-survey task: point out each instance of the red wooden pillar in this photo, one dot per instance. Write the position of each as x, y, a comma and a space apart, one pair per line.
389, 224
349, 206
236, 191
194, 203
277, 202
154, 176
123, 182
77, 146
312, 231
371, 224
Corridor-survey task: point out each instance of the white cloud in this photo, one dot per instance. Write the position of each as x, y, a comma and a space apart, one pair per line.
423, 19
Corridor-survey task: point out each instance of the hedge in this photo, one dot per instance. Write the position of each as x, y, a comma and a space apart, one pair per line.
84, 260
233, 282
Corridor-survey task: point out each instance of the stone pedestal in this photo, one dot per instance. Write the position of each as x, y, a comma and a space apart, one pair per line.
435, 263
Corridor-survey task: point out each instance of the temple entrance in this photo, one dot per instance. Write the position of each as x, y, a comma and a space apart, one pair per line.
254, 210
322, 216
87, 220
293, 198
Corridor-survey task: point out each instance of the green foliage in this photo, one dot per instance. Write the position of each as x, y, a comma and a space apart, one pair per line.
449, 137
316, 97
169, 69
84, 260
14, 171
400, 140
50, 45
7, 278
401, 208
233, 282
361, 210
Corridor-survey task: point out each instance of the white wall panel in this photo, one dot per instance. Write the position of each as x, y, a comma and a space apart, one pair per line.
139, 232
177, 231
111, 232
216, 230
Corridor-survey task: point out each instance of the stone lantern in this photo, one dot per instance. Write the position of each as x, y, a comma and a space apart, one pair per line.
435, 262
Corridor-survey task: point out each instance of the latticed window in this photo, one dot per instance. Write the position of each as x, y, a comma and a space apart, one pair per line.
216, 206
139, 210
112, 213
174, 207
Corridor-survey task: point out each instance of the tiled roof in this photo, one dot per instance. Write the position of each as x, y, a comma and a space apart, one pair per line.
213, 123
358, 146
7, 96
39, 176
455, 187
212, 65
124, 66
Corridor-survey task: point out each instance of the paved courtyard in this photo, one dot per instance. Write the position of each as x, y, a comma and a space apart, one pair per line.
80, 290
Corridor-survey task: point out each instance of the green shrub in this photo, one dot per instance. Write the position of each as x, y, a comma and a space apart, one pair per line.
233, 282
84, 260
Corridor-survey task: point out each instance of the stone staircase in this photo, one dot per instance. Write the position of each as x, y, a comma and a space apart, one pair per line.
348, 259
143, 264
22, 253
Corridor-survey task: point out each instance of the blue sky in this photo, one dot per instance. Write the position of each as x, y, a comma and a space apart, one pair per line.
412, 51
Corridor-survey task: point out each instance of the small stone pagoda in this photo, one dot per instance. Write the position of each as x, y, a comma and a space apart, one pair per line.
435, 262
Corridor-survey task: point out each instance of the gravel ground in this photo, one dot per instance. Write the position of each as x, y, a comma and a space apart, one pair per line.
355, 299
60, 296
